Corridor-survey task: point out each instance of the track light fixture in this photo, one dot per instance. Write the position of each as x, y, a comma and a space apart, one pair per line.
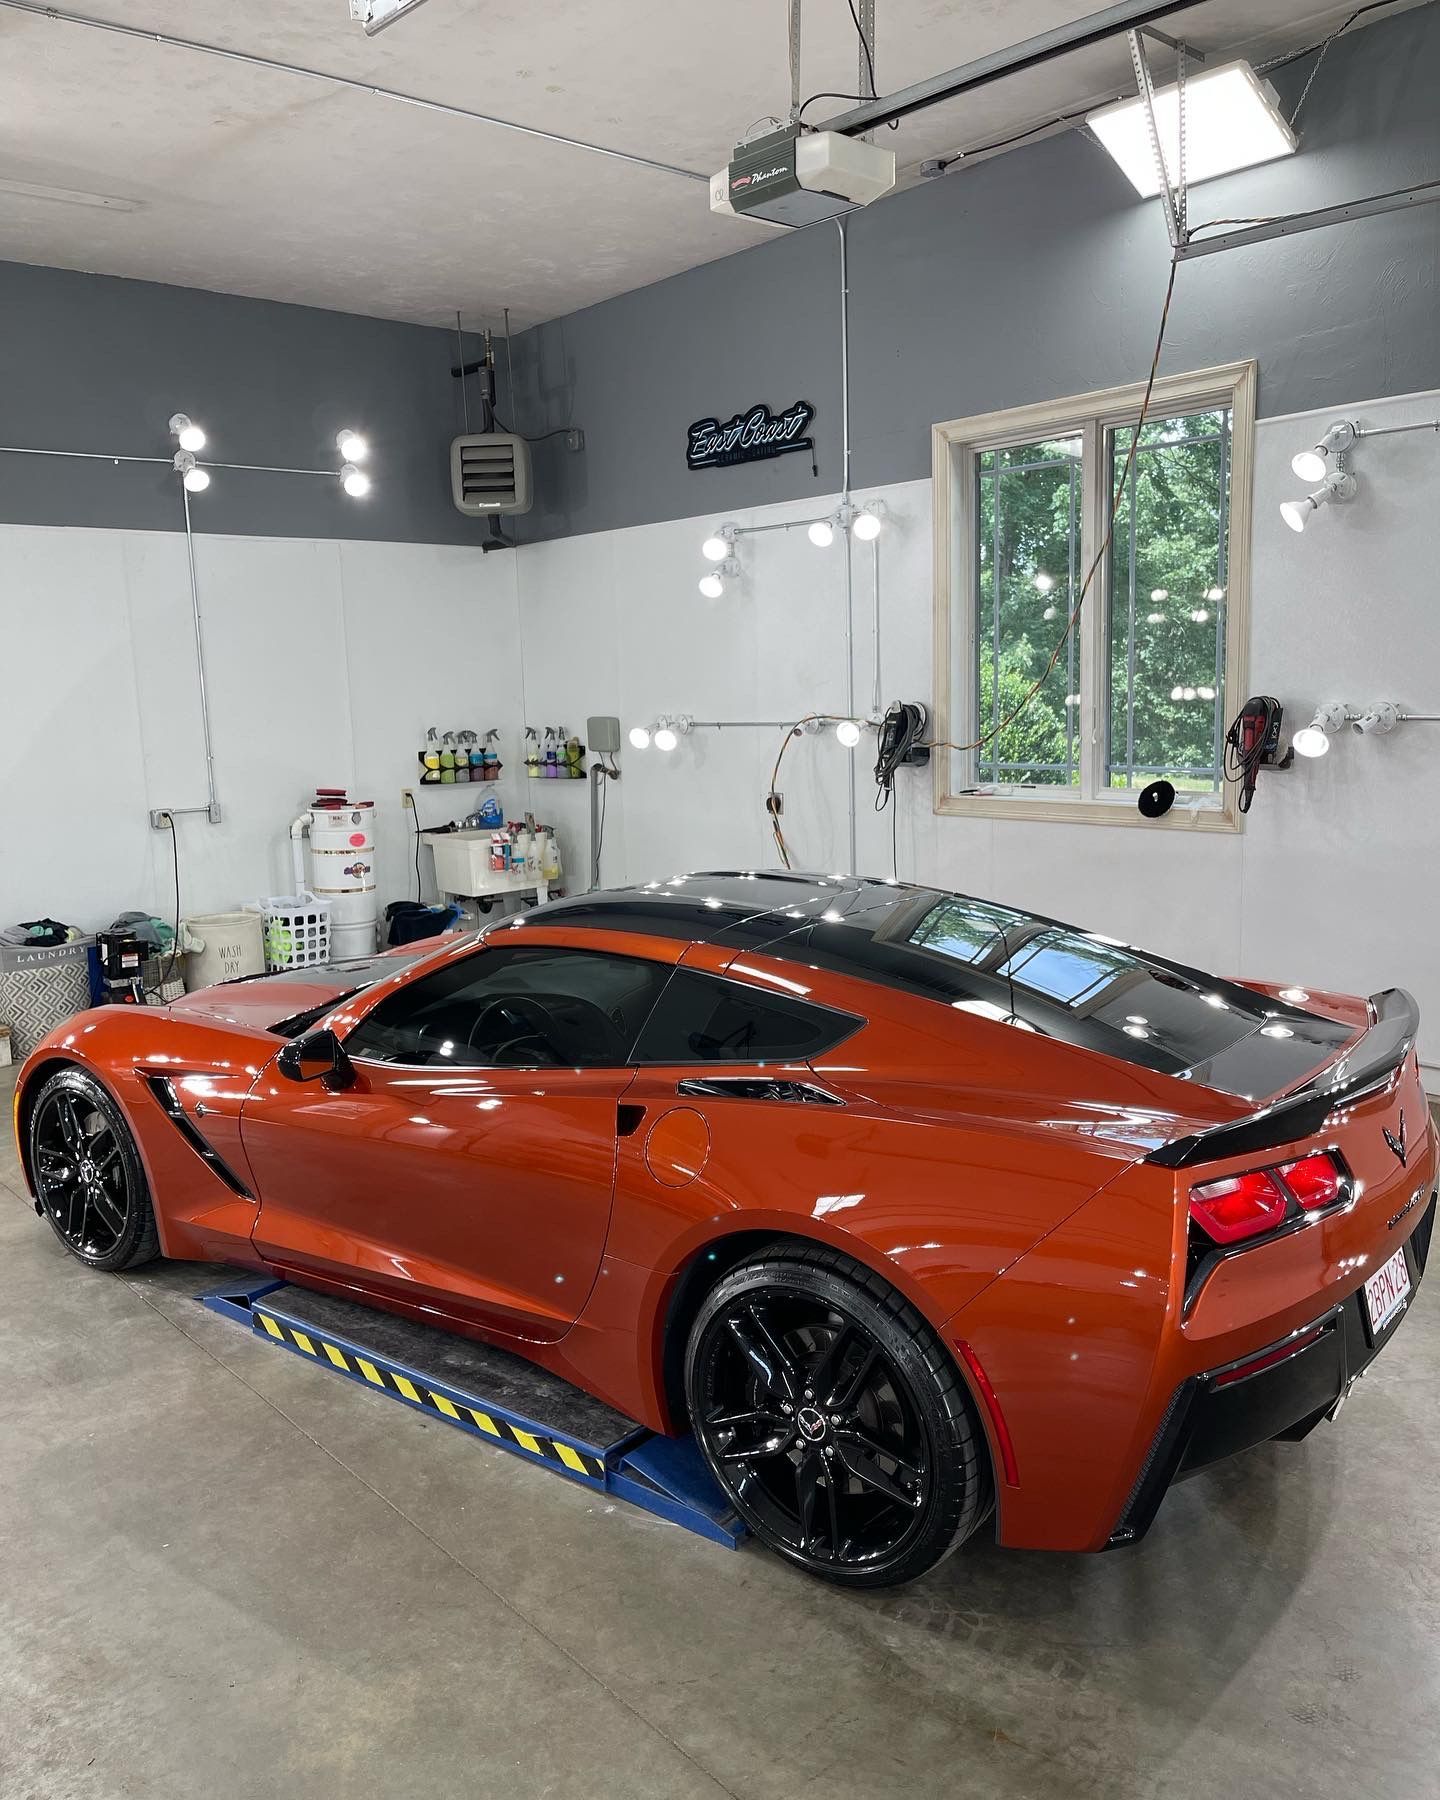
665, 734
1380, 717
1340, 485
352, 447
195, 478
712, 584
848, 732
869, 521
1315, 465
186, 432
720, 545
821, 533
355, 481
1314, 738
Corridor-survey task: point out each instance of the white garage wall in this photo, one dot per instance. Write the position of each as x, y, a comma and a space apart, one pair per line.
1331, 881
326, 661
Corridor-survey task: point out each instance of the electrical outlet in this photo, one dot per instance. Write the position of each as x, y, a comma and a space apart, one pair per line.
160, 819
575, 439
407, 798
775, 804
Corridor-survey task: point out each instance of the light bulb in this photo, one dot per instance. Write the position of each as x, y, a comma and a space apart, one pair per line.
1200, 616
711, 586
639, 737
1295, 513
187, 433
1187, 693
1159, 594
1314, 465
848, 733
821, 533
715, 548
1177, 693
1206, 693
352, 447
1215, 593
1042, 583
1312, 741
867, 525
1155, 618
355, 481
665, 738
197, 480
1049, 613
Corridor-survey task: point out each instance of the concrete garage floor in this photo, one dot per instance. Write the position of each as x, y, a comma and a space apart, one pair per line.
223, 1573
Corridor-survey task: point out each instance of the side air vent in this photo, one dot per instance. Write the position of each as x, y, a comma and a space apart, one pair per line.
163, 1089
490, 474
757, 1087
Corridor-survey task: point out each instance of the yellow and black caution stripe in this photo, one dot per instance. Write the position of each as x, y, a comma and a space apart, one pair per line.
490, 1423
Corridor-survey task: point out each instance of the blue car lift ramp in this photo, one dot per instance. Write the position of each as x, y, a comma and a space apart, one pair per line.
493, 1396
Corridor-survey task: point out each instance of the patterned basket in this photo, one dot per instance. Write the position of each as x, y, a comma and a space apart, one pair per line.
41, 987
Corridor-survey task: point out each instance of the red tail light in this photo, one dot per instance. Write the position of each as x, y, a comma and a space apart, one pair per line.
1241, 1207
1315, 1181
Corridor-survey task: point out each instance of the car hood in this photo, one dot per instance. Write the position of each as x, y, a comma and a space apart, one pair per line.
261, 1002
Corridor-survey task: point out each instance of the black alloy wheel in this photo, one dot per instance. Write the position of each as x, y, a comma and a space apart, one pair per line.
833, 1419
87, 1176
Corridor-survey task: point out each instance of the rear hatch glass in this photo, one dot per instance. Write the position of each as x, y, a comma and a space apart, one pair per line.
1127, 1003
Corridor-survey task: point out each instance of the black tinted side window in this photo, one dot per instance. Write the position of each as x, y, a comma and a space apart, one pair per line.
515, 1008
701, 1019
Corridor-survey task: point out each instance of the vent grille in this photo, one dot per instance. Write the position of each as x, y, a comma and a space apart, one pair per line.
490, 474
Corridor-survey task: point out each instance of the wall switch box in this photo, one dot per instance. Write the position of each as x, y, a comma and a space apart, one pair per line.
602, 734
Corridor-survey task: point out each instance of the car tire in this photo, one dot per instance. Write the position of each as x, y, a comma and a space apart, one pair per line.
833, 1418
86, 1174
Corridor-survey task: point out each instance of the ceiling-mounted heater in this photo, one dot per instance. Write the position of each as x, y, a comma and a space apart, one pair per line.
490, 474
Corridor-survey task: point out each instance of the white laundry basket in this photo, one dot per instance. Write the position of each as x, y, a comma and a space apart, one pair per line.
297, 930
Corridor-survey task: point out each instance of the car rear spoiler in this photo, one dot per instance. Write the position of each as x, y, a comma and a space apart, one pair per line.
1366, 1065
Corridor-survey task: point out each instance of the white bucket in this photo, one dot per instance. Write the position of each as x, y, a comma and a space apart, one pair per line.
226, 945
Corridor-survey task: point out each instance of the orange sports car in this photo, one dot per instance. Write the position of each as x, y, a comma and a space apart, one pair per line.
914, 1208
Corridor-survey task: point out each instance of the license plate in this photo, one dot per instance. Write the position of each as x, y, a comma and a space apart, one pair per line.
1386, 1292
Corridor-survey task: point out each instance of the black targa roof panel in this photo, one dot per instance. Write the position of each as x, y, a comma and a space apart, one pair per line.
997, 961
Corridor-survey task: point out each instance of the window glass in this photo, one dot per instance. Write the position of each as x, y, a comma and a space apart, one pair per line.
1028, 554
703, 1019
1166, 621
969, 930
515, 1007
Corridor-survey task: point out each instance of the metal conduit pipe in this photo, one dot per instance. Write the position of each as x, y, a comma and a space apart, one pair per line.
849, 535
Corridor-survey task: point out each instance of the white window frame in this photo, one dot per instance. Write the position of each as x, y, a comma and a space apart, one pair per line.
956, 445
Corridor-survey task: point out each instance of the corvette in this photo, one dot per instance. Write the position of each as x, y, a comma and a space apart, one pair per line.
918, 1210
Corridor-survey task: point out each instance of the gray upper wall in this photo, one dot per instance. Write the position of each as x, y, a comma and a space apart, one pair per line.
1035, 275
92, 362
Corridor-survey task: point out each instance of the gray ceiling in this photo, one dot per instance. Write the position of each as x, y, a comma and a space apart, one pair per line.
260, 182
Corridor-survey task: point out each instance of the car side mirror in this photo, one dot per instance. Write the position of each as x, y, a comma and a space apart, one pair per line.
318, 1056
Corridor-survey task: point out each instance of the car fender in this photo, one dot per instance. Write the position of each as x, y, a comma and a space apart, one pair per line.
200, 1214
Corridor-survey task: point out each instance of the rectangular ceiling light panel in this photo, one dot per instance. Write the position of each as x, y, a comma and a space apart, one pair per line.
1232, 121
